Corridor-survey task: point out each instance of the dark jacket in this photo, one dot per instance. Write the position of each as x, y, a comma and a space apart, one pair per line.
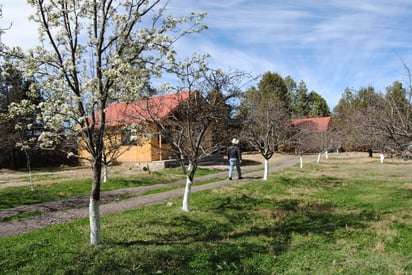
233, 152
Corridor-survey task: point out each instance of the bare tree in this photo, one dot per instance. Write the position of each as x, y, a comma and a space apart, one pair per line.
118, 141
266, 129
314, 135
195, 130
266, 119
359, 118
397, 122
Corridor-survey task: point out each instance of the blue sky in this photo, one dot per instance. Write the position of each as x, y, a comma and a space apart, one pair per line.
330, 45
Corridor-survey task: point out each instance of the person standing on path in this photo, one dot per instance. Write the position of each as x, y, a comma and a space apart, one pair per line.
235, 157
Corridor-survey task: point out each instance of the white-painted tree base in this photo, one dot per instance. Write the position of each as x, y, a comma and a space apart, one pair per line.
186, 196
301, 162
105, 173
94, 218
266, 171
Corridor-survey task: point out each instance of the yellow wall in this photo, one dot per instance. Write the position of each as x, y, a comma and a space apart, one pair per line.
136, 153
147, 152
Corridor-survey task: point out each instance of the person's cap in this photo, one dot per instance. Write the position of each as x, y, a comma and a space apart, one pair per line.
235, 141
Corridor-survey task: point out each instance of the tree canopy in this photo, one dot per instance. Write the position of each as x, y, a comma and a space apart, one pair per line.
265, 115
95, 52
19, 124
368, 120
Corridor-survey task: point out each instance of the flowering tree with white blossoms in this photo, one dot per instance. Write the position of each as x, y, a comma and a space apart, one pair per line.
18, 116
95, 52
18, 113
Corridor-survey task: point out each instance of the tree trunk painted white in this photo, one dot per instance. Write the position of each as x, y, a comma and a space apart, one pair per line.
186, 195
318, 160
105, 172
326, 154
28, 164
301, 162
94, 217
382, 157
31, 180
266, 171
94, 205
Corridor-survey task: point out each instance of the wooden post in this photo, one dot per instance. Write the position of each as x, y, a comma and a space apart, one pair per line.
160, 147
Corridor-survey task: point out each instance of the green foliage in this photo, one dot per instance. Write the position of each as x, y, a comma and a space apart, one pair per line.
18, 115
317, 106
322, 220
397, 94
300, 106
272, 85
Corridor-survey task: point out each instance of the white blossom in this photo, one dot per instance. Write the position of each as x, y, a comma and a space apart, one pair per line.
89, 57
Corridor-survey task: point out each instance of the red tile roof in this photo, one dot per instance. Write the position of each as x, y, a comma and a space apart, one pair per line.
156, 107
317, 124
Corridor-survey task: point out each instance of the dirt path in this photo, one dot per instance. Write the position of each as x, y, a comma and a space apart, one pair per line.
64, 211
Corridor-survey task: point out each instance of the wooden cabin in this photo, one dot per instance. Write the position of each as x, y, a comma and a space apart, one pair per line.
134, 148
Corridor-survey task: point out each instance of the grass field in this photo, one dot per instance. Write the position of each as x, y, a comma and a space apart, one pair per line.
52, 188
346, 215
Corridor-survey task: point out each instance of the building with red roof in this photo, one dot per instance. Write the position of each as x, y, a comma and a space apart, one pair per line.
142, 112
314, 124
154, 108
315, 135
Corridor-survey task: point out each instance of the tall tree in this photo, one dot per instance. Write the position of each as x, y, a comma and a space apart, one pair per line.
301, 105
96, 52
266, 117
197, 129
27, 130
274, 84
397, 121
317, 106
358, 119
292, 89
17, 127
372, 121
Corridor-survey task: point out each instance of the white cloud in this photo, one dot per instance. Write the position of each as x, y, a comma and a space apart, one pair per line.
330, 45
22, 33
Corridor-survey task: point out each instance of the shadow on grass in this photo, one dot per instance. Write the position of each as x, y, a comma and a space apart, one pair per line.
236, 217
234, 229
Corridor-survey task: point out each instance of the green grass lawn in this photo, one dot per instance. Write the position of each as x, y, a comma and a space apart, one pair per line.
342, 216
63, 188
